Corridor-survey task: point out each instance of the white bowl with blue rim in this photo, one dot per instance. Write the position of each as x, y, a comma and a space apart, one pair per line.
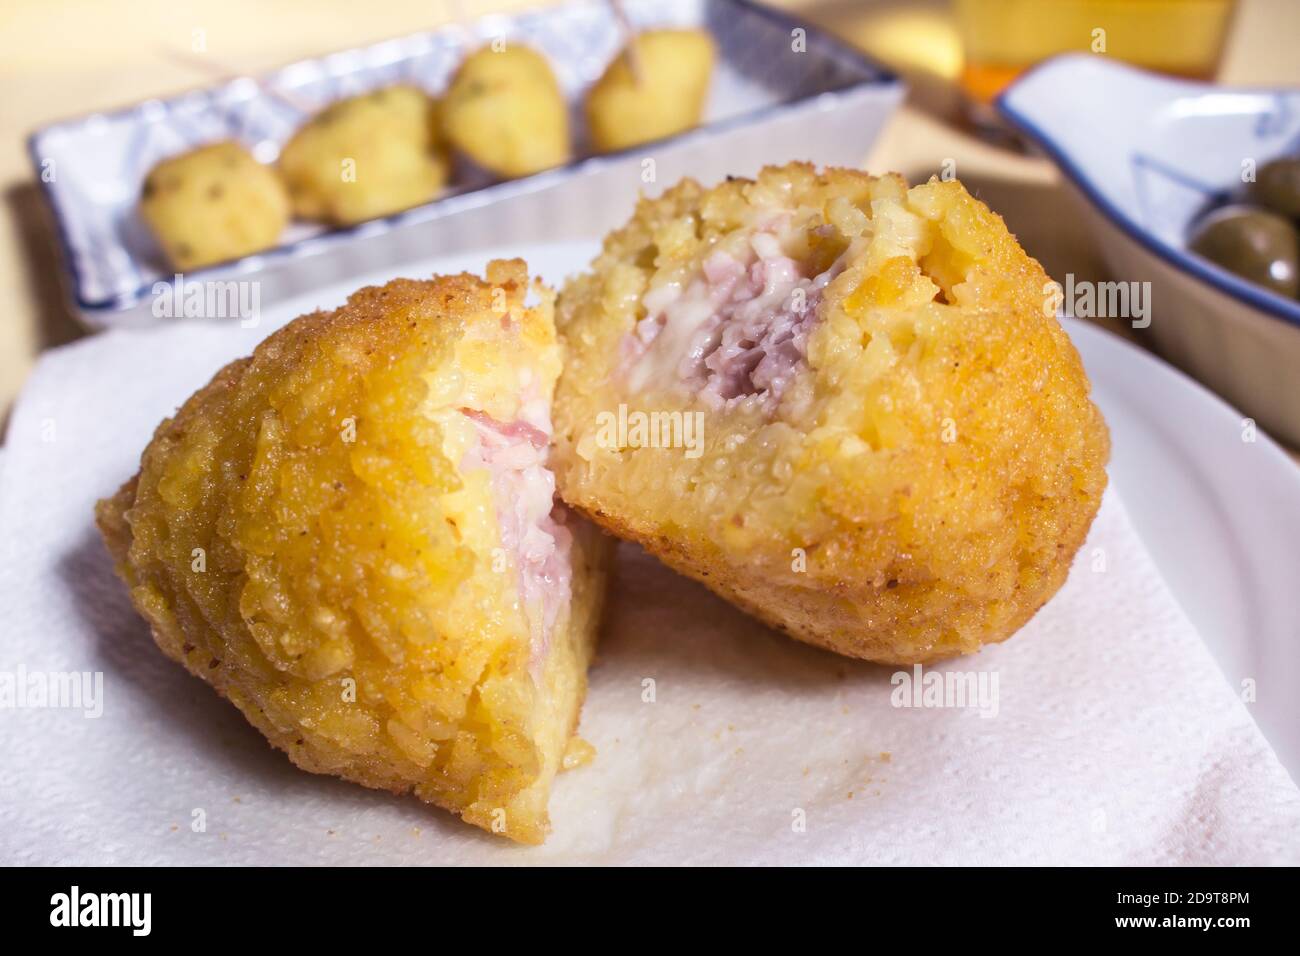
1149, 154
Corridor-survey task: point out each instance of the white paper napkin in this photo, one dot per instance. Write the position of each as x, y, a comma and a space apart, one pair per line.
1115, 738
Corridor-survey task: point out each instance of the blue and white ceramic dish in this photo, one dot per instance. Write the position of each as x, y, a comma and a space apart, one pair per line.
1149, 154
781, 91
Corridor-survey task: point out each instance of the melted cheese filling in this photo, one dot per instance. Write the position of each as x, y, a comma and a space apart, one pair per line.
735, 332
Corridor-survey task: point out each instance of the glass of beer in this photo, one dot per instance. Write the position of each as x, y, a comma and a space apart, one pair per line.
1002, 38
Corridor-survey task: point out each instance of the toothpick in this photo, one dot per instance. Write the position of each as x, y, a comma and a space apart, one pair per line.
625, 27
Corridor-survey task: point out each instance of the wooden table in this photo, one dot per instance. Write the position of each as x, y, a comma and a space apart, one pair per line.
60, 59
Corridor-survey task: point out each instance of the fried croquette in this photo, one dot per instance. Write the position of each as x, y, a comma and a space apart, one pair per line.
365, 157
212, 204
653, 89
504, 110
352, 535
840, 403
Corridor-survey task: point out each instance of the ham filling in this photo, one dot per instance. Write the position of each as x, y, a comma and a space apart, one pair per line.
532, 523
736, 332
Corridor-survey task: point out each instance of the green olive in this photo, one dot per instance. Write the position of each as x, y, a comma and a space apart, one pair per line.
1278, 187
1258, 245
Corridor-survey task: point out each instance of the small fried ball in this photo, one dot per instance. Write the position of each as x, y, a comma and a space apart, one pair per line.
366, 156
840, 403
654, 89
212, 204
505, 111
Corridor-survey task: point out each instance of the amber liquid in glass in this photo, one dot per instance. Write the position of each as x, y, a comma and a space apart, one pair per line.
1003, 38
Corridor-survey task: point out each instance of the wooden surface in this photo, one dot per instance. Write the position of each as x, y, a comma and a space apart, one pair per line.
60, 59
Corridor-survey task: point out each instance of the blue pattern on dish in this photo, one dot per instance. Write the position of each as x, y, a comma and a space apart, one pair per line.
1152, 152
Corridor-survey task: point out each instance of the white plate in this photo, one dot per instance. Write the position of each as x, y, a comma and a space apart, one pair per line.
1220, 515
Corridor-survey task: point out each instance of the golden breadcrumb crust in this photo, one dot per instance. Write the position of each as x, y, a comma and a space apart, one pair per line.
366, 156
655, 88
299, 537
505, 110
924, 483
212, 204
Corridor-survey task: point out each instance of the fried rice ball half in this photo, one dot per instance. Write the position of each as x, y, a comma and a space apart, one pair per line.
655, 88
366, 156
505, 111
352, 536
213, 204
838, 402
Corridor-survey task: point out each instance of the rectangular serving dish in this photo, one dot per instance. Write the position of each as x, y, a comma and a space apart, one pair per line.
781, 91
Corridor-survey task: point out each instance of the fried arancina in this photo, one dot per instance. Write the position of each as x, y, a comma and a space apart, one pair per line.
899, 455
504, 109
366, 156
212, 204
350, 536
654, 88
